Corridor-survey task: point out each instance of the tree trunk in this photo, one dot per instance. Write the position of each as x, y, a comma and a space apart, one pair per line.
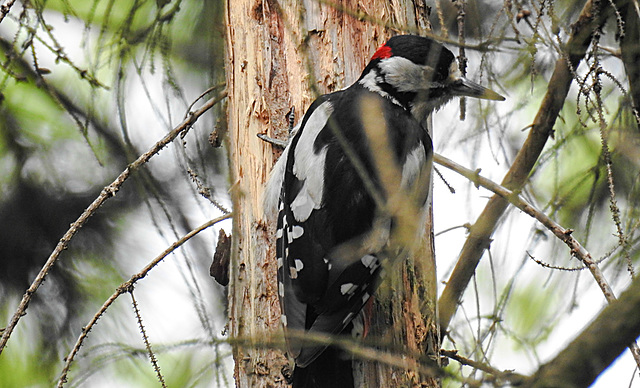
282, 54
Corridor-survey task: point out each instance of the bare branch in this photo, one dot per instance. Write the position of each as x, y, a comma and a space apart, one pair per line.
106, 193
145, 338
480, 233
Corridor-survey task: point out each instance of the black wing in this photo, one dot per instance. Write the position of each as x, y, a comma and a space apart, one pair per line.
327, 266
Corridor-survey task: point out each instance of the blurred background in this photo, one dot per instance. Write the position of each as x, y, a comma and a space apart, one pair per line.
87, 86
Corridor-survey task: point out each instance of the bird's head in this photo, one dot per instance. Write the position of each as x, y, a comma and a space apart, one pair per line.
419, 74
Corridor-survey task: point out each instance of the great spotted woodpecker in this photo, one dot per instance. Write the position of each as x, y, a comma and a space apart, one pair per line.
331, 231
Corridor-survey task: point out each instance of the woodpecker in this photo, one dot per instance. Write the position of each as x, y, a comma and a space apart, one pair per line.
332, 231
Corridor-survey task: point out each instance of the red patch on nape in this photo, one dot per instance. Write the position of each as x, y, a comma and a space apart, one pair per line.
383, 52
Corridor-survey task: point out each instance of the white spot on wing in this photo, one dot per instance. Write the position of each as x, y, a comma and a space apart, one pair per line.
299, 265
283, 318
368, 261
348, 288
281, 289
297, 231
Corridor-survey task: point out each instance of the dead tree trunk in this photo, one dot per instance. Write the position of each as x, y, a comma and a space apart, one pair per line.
282, 54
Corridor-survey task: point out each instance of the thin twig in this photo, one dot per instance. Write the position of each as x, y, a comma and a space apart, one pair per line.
5, 8
556, 267
106, 193
211, 89
126, 287
145, 338
500, 377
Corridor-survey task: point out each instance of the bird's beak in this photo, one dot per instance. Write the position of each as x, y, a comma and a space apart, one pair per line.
465, 87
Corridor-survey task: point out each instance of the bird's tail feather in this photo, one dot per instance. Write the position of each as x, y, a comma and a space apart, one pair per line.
332, 369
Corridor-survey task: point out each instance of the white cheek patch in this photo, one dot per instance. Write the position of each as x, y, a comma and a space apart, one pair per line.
407, 76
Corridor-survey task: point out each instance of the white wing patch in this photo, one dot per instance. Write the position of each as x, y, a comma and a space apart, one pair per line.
308, 165
303, 205
413, 165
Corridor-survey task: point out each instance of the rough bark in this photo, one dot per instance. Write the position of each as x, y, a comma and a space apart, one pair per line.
282, 54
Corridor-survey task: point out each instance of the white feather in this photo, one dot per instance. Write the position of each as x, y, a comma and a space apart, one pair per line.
271, 193
308, 167
412, 166
407, 76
